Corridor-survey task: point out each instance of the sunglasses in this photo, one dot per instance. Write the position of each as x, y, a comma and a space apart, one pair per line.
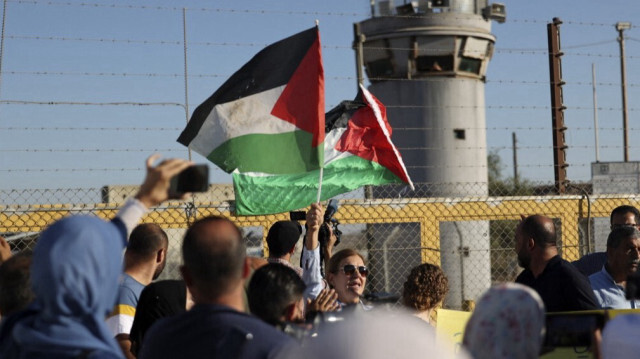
350, 269
616, 226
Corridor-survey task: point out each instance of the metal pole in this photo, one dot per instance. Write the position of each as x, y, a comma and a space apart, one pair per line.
358, 39
515, 159
595, 110
186, 72
4, 16
621, 26
557, 106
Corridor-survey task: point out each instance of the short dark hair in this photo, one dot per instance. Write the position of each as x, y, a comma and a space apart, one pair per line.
619, 234
282, 236
146, 239
334, 262
623, 210
15, 283
273, 287
425, 287
213, 259
536, 227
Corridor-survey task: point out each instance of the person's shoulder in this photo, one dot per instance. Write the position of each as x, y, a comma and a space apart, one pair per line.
571, 278
162, 335
129, 291
130, 283
262, 334
525, 277
597, 277
101, 354
253, 324
223, 328
166, 325
571, 271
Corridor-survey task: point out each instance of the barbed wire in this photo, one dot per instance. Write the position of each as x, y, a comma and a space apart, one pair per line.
128, 74
72, 169
175, 8
149, 150
529, 165
324, 46
488, 107
542, 165
346, 78
519, 147
92, 128
279, 12
123, 103
105, 74
590, 44
421, 148
396, 128
508, 107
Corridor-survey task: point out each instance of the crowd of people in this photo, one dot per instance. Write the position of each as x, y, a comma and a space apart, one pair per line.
77, 296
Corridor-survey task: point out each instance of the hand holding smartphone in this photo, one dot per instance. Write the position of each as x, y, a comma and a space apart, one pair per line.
193, 179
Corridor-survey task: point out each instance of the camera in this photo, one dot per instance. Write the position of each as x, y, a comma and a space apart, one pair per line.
324, 234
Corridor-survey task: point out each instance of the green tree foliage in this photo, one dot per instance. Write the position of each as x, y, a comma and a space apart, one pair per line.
500, 186
504, 265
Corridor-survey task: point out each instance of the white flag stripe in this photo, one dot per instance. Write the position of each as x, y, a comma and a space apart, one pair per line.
248, 115
376, 111
330, 140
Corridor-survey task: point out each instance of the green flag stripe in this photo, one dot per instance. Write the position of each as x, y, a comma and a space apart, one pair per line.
282, 153
276, 194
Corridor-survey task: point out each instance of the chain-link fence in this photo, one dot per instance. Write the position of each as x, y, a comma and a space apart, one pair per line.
58, 131
470, 237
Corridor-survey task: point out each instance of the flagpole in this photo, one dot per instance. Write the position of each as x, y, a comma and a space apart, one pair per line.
186, 74
322, 164
320, 184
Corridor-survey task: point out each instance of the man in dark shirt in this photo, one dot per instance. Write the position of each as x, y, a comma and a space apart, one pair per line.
561, 286
215, 268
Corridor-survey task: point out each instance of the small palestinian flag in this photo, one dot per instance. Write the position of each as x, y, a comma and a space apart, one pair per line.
357, 151
268, 117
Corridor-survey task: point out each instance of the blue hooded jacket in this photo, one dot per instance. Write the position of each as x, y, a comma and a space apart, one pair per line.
76, 265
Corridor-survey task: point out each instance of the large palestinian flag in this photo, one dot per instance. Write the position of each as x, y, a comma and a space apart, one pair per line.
268, 117
357, 151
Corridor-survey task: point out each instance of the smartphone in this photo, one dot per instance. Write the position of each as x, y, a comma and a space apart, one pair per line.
193, 179
298, 215
572, 330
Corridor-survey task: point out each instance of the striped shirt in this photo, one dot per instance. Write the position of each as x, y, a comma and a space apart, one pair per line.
121, 318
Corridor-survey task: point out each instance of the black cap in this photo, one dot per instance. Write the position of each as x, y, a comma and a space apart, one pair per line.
282, 236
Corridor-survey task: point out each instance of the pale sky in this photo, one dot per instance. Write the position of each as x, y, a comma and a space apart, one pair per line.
131, 52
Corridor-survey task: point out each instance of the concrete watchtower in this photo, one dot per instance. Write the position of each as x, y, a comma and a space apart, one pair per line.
426, 61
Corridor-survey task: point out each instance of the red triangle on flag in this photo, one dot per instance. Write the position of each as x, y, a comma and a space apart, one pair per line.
366, 137
302, 101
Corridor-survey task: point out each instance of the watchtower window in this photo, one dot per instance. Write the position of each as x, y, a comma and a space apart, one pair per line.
470, 65
434, 63
379, 69
459, 134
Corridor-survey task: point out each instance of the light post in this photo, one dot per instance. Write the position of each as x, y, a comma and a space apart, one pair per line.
621, 26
